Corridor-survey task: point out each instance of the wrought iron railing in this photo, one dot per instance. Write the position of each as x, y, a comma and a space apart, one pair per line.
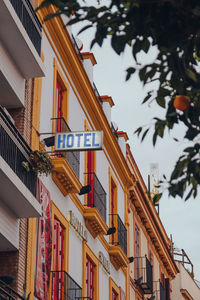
7, 293
114, 131
72, 157
30, 21
64, 287
77, 48
97, 195
120, 236
97, 93
144, 274
14, 150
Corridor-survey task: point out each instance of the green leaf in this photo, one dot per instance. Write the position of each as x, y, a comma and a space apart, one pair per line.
160, 101
138, 130
130, 71
145, 45
156, 198
144, 134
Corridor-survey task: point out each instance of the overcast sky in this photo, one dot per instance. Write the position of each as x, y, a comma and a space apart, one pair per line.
181, 219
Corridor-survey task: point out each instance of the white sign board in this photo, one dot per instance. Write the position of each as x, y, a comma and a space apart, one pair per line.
79, 140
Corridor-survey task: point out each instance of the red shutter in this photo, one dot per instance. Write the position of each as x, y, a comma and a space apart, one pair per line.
89, 278
59, 95
90, 171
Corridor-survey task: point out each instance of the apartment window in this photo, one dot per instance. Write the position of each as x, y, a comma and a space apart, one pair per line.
58, 259
60, 253
114, 290
60, 99
137, 251
90, 273
114, 295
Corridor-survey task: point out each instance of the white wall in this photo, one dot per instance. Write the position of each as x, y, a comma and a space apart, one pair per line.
184, 281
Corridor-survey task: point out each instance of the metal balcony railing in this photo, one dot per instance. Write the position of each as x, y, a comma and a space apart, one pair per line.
7, 293
64, 287
77, 48
30, 21
120, 236
97, 93
14, 150
144, 274
97, 195
114, 131
72, 157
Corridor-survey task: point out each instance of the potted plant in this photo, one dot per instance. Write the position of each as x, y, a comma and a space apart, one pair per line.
40, 163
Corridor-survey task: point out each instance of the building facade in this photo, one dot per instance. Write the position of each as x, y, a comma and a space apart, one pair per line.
88, 230
72, 250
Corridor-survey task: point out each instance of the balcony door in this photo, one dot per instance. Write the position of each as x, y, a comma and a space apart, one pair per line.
137, 251
113, 211
58, 258
90, 175
59, 106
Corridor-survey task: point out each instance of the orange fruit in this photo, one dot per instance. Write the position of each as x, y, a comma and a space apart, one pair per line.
181, 102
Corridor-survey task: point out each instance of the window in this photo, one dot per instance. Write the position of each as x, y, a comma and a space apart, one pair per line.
113, 209
60, 253
58, 256
59, 106
90, 274
89, 278
60, 99
114, 295
137, 251
114, 290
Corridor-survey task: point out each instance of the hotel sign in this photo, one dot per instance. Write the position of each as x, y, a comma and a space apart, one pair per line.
79, 140
76, 224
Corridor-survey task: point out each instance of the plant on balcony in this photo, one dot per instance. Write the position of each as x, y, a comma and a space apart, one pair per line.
40, 163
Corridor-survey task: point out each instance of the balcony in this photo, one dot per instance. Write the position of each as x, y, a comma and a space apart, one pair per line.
64, 287
18, 187
118, 248
66, 164
7, 293
20, 33
144, 274
95, 210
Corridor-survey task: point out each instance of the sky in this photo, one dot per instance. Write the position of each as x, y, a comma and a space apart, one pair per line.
181, 219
